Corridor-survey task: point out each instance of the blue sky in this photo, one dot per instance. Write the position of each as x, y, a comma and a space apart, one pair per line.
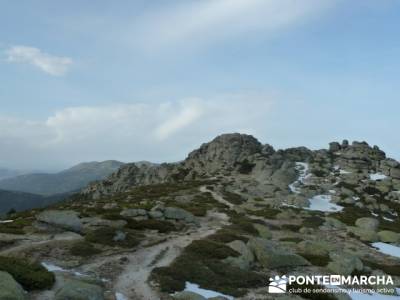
151, 80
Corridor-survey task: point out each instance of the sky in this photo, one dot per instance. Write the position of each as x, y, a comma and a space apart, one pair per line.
152, 80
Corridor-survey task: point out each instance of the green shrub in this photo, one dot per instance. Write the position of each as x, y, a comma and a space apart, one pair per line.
200, 263
268, 213
207, 249
313, 222
233, 198
241, 223
84, 249
32, 276
245, 167
106, 236
226, 236
291, 239
316, 260
393, 270
291, 227
16, 227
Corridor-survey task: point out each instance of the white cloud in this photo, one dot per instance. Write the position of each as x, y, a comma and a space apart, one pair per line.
181, 118
50, 64
151, 131
193, 22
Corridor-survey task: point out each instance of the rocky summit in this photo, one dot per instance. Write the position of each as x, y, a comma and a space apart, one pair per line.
216, 225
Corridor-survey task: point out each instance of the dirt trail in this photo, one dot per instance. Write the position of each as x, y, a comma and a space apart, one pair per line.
133, 281
216, 196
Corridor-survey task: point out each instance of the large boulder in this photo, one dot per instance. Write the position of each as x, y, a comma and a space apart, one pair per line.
315, 247
65, 219
263, 231
133, 212
365, 235
246, 257
79, 290
91, 223
334, 223
271, 256
367, 223
344, 263
388, 236
9, 288
176, 213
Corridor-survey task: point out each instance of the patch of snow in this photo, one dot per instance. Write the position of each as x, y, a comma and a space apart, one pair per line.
53, 268
192, 287
303, 168
377, 176
386, 248
374, 214
387, 219
323, 203
289, 205
344, 172
356, 198
119, 296
6, 221
332, 191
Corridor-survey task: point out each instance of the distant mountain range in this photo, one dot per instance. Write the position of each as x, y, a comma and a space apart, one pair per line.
7, 173
22, 201
66, 181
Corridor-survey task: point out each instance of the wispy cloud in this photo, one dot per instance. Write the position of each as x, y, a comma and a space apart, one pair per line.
154, 131
215, 20
50, 64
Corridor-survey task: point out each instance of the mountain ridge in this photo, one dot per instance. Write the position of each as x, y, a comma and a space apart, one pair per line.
68, 180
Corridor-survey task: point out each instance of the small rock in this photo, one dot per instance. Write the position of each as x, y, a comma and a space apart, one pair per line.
367, 223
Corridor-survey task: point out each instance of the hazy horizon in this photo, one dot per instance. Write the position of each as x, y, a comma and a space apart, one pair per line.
153, 80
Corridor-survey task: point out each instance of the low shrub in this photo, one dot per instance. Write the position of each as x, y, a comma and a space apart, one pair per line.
200, 263
313, 222
291, 239
267, 212
32, 276
16, 227
227, 236
393, 270
291, 227
151, 224
316, 260
84, 249
106, 236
